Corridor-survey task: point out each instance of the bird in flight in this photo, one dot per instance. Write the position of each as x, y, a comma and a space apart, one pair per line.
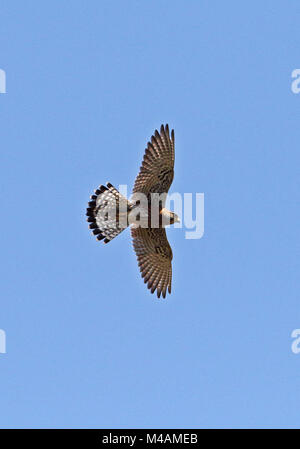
109, 212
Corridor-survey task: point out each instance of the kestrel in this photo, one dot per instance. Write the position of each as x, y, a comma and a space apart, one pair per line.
109, 212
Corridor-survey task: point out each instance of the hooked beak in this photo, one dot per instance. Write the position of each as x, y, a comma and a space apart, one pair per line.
177, 220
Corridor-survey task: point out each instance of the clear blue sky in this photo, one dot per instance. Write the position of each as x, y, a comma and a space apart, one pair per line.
87, 83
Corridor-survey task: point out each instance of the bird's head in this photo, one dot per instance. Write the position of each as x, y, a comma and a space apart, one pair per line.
170, 217
174, 218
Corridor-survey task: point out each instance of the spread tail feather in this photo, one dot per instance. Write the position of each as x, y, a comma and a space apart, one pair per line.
107, 212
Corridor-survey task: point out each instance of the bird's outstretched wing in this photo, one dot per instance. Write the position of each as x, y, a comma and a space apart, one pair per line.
157, 169
154, 256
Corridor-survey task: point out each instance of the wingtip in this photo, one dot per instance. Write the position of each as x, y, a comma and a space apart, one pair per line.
165, 129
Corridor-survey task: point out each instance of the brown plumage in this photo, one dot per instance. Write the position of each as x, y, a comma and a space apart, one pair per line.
151, 245
154, 256
157, 169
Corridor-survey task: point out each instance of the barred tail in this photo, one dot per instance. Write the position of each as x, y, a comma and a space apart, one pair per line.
107, 212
